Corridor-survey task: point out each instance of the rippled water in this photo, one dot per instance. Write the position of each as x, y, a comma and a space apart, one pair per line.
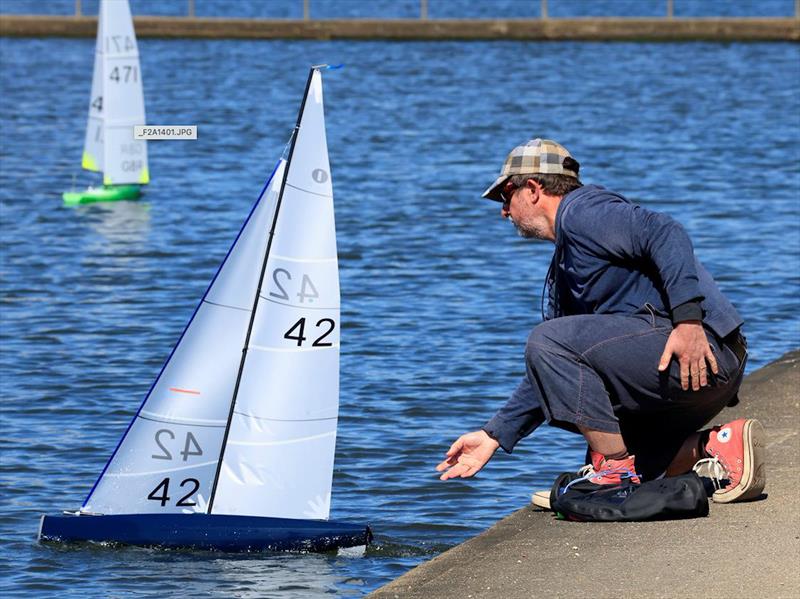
438, 293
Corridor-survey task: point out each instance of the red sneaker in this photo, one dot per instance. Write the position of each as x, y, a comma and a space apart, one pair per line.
739, 448
612, 472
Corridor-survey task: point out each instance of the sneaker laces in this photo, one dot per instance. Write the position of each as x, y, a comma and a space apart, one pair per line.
588, 473
623, 472
584, 473
711, 468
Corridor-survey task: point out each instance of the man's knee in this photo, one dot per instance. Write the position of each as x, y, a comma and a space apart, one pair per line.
544, 338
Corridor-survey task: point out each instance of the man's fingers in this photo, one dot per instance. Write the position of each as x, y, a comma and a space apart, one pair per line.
469, 471
455, 447
684, 375
462, 469
701, 366
712, 361
457, 470
663, 364
695, 372
448, 462
451, 455
471, 466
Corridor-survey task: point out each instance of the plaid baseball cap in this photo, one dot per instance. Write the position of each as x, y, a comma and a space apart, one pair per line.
534, 157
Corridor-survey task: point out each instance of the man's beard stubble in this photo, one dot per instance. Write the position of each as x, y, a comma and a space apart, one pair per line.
533, 229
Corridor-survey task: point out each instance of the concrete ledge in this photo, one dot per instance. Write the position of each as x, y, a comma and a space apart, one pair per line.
741, 550
615, 29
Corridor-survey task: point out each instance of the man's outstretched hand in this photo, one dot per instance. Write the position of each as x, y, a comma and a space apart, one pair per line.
468, 455
689, 344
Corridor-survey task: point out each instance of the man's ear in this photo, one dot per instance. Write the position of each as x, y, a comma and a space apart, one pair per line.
535, 189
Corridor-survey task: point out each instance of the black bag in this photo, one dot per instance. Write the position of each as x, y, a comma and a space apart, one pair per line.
664, 499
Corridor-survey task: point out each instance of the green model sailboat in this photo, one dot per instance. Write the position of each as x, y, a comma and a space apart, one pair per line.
116, 105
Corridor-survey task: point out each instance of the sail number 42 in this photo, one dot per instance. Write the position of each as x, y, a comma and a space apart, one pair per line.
190, 447
308, 292
296, 332
164, 497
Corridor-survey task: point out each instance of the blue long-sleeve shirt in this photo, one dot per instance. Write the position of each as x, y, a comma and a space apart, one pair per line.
613, 257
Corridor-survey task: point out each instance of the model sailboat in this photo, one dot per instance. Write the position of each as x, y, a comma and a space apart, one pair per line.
233, 446
115, 106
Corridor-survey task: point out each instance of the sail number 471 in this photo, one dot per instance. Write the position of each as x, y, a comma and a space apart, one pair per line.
124, 74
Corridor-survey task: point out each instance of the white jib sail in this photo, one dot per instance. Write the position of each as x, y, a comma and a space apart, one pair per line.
167, 460
121, 99
278, 460
93, 145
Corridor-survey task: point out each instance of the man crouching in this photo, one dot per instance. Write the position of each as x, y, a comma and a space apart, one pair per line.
638, 349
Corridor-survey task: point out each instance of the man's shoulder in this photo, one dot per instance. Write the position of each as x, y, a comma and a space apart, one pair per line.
590, 195
587, 203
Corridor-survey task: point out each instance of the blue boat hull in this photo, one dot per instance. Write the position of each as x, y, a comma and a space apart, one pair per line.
204, 531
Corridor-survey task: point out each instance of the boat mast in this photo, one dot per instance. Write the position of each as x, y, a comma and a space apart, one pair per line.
258, 290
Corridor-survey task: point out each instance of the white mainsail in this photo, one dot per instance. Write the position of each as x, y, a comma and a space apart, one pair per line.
117, 101
275, 404
278, 460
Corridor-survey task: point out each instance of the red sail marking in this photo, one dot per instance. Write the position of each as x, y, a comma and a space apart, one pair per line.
189, 391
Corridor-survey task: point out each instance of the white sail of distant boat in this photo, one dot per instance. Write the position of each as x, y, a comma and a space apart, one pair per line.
242, 418
117, 101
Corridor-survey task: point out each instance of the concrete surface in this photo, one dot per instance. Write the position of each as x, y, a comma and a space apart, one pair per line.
620, 29
741, 550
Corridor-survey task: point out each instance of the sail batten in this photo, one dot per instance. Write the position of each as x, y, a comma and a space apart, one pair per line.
306, 260
226, 306
283, 442
334, 346
183, 421
165, 471
272, 301
322, 195
284, 419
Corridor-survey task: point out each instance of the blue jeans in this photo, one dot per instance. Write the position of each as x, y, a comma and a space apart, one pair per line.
600, 371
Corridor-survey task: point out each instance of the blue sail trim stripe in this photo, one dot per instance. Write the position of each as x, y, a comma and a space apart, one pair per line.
186, 328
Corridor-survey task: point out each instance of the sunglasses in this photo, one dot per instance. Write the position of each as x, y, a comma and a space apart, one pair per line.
508, 192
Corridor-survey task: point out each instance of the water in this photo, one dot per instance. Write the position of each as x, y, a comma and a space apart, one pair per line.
438, 293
